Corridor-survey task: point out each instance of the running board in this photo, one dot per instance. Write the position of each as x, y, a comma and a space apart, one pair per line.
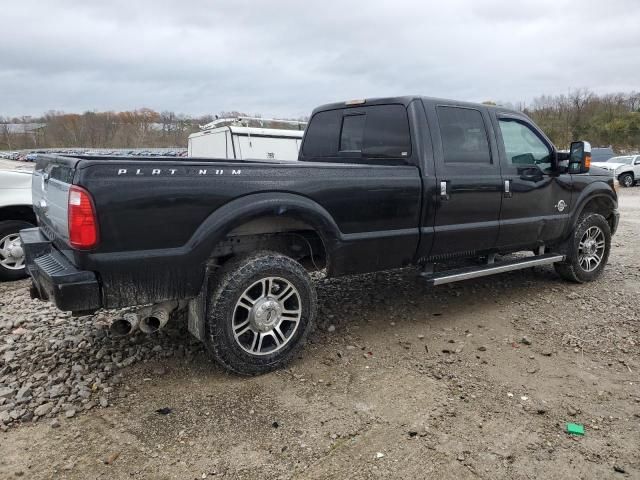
450, 276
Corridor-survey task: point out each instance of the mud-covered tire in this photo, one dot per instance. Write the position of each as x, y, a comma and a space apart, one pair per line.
8, 231
571, 269
228, 285
626, 180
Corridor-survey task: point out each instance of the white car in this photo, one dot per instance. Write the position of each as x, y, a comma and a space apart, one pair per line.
16, 213
625, 168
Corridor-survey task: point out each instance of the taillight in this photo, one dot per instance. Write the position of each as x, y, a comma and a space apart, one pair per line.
83, 224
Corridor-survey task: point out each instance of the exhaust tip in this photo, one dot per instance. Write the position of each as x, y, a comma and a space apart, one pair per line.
121, 327
150, 324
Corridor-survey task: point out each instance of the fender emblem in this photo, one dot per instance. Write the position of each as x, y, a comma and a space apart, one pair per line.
561, 205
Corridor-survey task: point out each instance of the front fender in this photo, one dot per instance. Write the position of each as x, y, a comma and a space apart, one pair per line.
597, 190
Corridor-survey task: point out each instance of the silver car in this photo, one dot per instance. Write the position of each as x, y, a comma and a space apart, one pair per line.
625, 168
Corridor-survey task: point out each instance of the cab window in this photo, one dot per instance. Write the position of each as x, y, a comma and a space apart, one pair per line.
321, 137
371, 132
352, 133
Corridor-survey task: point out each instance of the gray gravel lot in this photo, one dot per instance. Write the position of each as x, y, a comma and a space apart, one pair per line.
475, 379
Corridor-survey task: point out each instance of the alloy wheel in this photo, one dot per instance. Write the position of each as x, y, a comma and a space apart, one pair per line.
591, 249
11, 252
266, 316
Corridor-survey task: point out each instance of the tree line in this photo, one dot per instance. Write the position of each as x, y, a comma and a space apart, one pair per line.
143, 128
604, 120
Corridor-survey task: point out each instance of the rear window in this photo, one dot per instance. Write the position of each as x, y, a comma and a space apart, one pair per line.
379, 131
352, 133
321, 137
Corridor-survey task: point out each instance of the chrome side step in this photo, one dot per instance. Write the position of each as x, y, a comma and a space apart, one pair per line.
457, 275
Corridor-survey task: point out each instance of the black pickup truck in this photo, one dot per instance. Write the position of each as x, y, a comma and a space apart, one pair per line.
379, 184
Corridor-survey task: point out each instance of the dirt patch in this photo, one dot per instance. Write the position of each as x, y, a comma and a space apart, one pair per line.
476, 379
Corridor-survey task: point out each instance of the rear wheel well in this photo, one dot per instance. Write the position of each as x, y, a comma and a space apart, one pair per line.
602, 205
289, 236
18, 212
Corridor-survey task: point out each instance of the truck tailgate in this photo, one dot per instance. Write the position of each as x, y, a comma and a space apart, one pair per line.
52, 178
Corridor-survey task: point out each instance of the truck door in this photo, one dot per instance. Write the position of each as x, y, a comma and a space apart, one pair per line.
537, 196
468, 182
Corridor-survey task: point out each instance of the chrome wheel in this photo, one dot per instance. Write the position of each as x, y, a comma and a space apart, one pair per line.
266, 316
11, 253
591, 249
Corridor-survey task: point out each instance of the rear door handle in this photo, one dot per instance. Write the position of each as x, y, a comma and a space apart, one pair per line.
443, 190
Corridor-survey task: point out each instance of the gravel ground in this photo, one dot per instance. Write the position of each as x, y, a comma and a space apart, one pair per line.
476, 379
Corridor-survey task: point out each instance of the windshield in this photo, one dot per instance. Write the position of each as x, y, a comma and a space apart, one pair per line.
626, 160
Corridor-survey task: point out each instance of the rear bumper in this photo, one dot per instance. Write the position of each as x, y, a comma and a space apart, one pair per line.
55, 279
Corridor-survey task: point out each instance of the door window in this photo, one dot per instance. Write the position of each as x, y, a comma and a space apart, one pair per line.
464, 137
523, 146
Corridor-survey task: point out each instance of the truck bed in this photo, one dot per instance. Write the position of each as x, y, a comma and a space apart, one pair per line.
158, 217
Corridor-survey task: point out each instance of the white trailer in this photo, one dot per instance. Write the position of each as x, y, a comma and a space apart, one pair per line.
242, 142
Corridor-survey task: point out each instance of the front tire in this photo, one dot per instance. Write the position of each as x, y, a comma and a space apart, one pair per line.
260, 310
11, 254
587, 250
626, 180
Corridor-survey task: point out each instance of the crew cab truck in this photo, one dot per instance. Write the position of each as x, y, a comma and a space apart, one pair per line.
379, 184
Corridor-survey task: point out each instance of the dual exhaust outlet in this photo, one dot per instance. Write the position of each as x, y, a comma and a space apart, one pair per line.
147, 319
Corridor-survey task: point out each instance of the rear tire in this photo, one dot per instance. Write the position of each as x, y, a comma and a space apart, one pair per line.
260, 310
587, 250
626, 180
11, 264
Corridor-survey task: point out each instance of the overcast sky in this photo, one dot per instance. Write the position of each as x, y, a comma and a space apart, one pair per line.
282, 58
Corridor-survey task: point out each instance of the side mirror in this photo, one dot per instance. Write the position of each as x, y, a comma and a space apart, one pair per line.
579, 157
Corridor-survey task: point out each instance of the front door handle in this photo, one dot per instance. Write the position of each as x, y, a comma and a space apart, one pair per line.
443, 190
507, 189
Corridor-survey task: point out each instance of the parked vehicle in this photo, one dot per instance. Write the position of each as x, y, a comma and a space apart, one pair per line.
16, 213
380, 184
235, 139
626, 168
601, 154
